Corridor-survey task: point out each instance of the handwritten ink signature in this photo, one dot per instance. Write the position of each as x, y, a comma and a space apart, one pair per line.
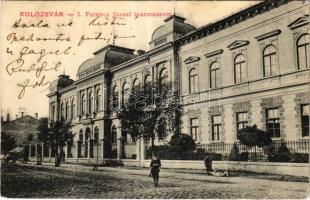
36, 84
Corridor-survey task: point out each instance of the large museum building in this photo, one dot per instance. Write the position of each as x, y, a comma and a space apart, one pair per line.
251, 67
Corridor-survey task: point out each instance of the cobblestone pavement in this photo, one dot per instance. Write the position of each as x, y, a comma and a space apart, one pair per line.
71, 181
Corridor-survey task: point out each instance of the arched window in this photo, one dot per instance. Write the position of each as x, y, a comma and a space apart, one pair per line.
270, 61
67, 110
113, 135
98, 100
193, 81
83, 104
302, 51
239, 68
147, 81
53, 112
115, 98
81, 135
87, 134
90, 100
61, 111
214, 75
96, 135
135, 85
72, 108
163, 76
125, 93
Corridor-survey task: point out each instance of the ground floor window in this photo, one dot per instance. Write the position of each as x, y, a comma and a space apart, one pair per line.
305, 120
216, 127
273, 122
194, 128
242, 120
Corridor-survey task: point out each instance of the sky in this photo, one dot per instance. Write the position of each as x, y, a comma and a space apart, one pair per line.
34, 100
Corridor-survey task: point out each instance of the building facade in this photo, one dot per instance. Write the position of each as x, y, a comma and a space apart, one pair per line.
249, 68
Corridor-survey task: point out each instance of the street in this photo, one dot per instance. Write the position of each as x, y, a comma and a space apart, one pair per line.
68, 181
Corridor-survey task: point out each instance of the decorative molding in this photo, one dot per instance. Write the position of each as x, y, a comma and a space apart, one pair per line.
301, 21
191, 59
238, 43
214, 53
267, 35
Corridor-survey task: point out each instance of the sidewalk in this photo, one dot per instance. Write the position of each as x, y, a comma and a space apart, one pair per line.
187, 174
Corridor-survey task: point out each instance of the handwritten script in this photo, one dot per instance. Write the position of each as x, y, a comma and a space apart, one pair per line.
37, 47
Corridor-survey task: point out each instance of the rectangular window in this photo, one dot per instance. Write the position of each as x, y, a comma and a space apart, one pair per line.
305, 120
242, 120
216, 127
273, 122
194, 128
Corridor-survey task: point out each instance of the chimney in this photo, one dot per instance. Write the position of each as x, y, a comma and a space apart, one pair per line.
8, 117
22, 114
36, 115
140, 52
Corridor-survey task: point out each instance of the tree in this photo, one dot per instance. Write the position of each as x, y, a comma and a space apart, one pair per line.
182, 143
145, 108
57, 133
234, 154
251, 136
7, 143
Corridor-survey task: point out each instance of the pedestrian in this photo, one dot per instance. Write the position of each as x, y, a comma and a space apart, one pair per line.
208, 163
155, 168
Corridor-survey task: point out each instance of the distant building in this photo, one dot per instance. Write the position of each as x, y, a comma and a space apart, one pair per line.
23, 129
249, 68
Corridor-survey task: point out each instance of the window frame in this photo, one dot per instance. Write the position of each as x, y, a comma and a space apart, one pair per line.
194, 128
240, 65
216, 75
216, 126
304, 118
193, 81
270, 57
305, 46
274, 120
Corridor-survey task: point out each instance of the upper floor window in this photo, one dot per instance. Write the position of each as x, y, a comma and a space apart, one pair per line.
53, 112
147, 81
67, 110
83, 104
72, 109
214, 75
62, 111
239, 69
302, 51
96, 135
98, 100
115, 98
270, 61
305, 120
163, 76
193, 81
242, 120
135, 85
125, 93
90, 100
194, 128
273, 122
216, 127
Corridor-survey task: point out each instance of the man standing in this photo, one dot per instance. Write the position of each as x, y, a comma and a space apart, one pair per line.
208, 163
155, 168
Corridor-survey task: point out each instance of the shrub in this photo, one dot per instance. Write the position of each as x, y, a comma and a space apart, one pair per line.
234, 153
244, 156
300, 158
282, 154
182, 143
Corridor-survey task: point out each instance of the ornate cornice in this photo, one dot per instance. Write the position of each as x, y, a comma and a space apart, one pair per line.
231, 20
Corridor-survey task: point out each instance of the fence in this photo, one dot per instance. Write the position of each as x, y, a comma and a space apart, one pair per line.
222, 150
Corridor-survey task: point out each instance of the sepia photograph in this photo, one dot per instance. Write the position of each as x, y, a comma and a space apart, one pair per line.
155, 99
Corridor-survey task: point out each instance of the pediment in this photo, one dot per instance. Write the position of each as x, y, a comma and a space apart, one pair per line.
238, 43
214, 53
301, 21
191, 59
268, 35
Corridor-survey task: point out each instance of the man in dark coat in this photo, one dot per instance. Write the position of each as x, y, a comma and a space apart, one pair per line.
208, 163
155, 168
